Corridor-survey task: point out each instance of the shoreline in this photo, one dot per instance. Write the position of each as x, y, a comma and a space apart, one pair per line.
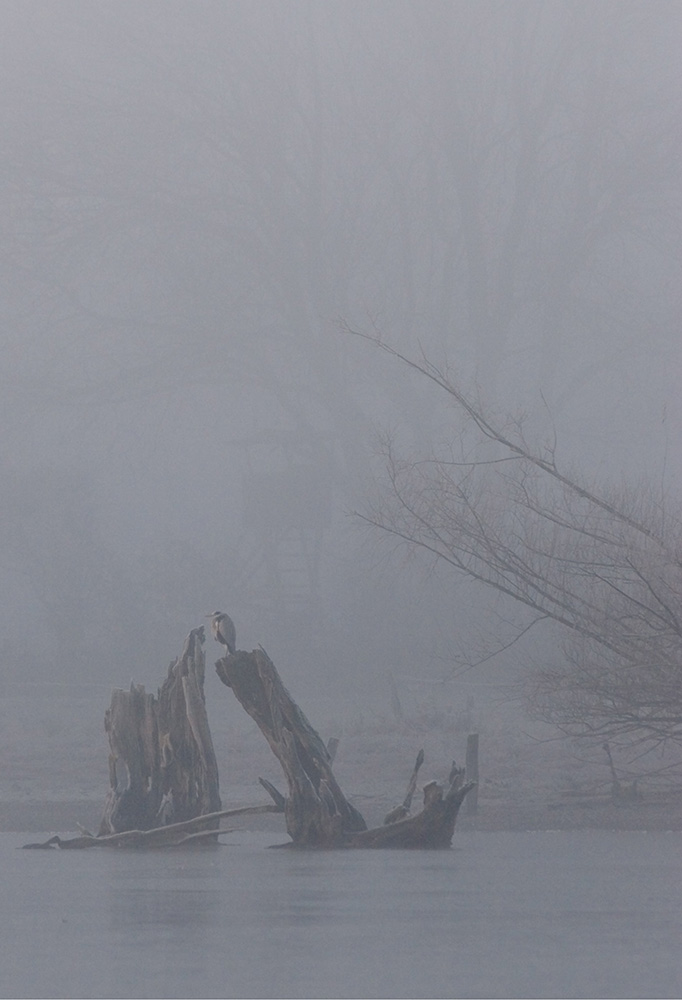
56, 775
655, 812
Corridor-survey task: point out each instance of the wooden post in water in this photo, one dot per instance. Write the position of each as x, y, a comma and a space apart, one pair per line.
471, 769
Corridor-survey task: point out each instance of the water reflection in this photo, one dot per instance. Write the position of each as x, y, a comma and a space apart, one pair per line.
576, 914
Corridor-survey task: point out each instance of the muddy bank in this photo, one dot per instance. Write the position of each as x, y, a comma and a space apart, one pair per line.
657, 812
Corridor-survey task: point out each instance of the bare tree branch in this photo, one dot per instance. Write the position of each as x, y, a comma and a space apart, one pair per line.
603, 563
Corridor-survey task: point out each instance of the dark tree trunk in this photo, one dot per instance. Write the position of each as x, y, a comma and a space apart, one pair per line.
317, 813
162, 766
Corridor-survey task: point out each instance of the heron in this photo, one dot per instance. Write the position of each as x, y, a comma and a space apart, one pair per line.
223, 630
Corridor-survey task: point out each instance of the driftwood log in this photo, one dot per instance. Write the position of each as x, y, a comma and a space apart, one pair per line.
430, 828
162, 766
316, 811
192, 832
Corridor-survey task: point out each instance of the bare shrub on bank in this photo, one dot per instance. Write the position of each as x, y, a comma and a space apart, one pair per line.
604, 563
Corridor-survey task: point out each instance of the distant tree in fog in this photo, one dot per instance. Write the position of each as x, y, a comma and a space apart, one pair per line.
493, 176
195, 192
604, 563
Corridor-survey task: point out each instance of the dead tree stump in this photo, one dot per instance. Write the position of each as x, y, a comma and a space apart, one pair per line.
162, 766
316, 811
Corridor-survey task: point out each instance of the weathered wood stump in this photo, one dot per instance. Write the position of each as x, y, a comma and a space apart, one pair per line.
316, 811
162, 766
164, 778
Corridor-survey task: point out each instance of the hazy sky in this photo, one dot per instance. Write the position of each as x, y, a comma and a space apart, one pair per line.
195, 195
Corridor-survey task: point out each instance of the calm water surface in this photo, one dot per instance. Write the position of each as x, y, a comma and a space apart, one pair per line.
589, 914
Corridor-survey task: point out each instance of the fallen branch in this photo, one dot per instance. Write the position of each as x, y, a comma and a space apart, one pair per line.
173, 835
403, 810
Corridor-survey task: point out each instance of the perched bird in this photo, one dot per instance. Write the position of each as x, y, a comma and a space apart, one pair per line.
223, 630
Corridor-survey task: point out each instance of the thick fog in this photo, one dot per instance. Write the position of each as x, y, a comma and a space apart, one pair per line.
199, 198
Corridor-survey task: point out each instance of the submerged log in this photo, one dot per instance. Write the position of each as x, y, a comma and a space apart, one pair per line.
433, 827
162, 766
316, 810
